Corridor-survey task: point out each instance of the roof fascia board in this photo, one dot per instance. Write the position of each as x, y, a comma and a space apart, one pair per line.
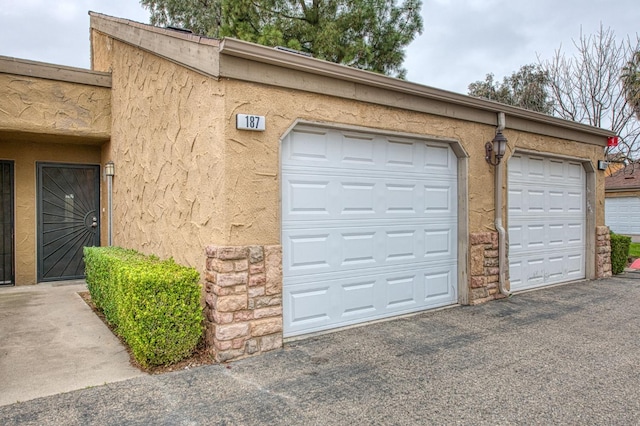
54, 72
460, 103
197, 53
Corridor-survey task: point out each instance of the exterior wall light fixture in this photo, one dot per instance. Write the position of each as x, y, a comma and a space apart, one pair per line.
498, 146
109, 169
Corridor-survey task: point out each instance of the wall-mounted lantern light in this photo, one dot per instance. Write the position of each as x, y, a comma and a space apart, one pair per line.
109, 169
498, 146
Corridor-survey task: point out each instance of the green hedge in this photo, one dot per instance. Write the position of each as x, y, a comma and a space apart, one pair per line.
619, 252
153, 305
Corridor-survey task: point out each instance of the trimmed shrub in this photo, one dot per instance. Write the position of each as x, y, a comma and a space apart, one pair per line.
619, 252
154, 305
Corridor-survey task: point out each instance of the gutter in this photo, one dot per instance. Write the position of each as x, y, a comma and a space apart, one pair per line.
502, 235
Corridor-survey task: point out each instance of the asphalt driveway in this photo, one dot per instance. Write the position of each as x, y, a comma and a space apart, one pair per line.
563, 355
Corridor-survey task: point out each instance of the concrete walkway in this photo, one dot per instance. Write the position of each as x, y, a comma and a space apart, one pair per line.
568, 354
52, 342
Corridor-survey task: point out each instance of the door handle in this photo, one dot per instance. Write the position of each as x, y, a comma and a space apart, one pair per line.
94, 222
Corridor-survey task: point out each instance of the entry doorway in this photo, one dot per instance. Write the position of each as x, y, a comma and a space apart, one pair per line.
68, 218
7, 274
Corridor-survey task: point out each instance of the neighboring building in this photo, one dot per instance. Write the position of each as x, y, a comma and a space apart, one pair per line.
340, 197
622, 204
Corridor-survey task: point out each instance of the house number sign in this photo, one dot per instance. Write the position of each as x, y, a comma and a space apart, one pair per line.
250, 122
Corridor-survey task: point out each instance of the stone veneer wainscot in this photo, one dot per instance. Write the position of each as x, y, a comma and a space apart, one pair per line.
243, 300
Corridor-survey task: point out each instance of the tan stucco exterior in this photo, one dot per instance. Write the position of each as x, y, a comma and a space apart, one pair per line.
48, 114
191, 178
25, 154
60, 111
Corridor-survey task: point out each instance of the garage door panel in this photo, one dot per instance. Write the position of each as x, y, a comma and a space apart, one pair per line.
329, 149
546, 222
335, 197
368, 227
621, 215
349, 247
338, 300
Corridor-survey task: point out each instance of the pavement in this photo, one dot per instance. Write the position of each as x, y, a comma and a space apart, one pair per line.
52, 342
566, 354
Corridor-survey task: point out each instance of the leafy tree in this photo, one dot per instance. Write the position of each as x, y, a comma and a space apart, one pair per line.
631, 82
589, 87
525, 88
366, 34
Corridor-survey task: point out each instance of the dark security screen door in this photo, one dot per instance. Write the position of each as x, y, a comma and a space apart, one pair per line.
68, 218
6, 223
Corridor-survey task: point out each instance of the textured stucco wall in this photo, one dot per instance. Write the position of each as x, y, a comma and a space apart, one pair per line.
51, 107
253, 158
25, 154
192, 179
167, 148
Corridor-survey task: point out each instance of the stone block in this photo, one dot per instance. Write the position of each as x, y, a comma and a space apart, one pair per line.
241, 265
491, 253
227, 291
271, 311
477, 282
271, 342
223, 345
477, 260
273, 269
478, 293
232, 303
243, 315
256, 254
232, 278
227, 252
224, 356
477, 238
492, 271
491, 261
232, 331
493, 279
266, 326
257, 279
256, 268
221, 317
238, 343
264, 301
222, 266
252, 346
210, 276
210, 300
494, 240
256, 291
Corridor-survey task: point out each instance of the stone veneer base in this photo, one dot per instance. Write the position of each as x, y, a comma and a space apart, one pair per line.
243, 300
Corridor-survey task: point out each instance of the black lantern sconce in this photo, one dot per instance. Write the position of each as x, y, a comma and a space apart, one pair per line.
498, 146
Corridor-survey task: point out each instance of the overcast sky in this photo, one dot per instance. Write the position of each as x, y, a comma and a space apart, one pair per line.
462, 40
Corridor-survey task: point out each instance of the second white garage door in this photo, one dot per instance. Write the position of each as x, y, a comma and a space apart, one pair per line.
547, 219
369, 227
622, 215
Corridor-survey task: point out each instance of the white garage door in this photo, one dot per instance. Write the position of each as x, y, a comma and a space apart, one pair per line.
622, 215
546, 221
368, 228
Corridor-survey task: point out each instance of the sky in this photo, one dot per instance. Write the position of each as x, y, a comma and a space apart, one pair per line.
462, 41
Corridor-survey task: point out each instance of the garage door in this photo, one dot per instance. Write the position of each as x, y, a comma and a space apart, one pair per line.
546, 221
622, 215
368, 228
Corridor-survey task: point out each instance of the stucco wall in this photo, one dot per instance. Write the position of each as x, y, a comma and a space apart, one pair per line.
192, 179
253, 158
25, 154
41, 106
167, 148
